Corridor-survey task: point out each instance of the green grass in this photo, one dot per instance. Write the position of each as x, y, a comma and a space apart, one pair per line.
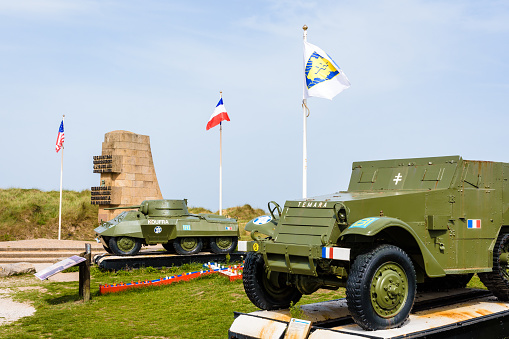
475, 282
200, 308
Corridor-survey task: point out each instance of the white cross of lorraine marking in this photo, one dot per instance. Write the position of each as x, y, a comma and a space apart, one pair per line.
397, 178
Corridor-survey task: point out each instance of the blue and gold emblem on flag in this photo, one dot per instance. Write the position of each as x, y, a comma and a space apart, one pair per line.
323, 78
319, 69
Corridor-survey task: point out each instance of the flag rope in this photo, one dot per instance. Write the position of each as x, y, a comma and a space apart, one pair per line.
306, 108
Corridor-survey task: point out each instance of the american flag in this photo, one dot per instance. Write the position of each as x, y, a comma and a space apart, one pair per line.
60, 137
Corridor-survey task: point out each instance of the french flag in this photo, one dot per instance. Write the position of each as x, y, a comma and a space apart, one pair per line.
218, 115
474, 223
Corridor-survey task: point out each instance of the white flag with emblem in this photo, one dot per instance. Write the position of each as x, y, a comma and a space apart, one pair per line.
322, 76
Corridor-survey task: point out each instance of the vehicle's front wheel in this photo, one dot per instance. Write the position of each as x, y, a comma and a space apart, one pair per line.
222, 245
497, 281
169, 246
187, 246
267, 293
380, 289
124, 245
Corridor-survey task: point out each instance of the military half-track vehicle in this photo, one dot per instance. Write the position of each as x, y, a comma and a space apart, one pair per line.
402, 223
167, 222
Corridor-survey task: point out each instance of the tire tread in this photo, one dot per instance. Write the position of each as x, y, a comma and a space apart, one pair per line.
253, 271
355, 283
494, 280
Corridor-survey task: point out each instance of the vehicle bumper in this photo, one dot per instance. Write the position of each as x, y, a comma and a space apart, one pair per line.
295, 259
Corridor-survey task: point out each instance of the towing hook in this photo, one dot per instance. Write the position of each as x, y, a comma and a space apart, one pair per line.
255, 235
323, 238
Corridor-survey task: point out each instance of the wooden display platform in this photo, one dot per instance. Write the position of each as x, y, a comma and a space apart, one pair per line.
461, 313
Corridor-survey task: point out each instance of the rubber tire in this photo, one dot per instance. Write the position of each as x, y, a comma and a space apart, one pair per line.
218, 250
169, 247
180, 250
116, 250
497, 281
358, 287
261, 291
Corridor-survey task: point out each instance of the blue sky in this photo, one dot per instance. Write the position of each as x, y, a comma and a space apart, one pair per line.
429, 78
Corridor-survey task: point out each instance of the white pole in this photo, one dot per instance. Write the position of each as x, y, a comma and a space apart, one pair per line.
61, 175
304, 155
221, 165
304, 143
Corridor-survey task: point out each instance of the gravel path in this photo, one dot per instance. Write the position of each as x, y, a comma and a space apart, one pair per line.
10, 310
50, 243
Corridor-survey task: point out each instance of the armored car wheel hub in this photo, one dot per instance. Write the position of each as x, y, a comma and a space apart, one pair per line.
189, 244
389, 290
126, 244
223, 242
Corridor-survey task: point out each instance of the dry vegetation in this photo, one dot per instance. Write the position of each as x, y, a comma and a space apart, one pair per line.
242, 213
33, 214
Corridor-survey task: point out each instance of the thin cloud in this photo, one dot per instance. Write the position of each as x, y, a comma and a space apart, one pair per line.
43, 8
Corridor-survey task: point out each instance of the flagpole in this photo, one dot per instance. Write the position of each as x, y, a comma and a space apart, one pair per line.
61, 175
221, 164
305, 132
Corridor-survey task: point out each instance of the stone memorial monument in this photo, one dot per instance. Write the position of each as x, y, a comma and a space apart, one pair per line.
127, 173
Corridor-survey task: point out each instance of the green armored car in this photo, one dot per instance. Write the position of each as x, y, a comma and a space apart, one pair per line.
167, 222
427, 221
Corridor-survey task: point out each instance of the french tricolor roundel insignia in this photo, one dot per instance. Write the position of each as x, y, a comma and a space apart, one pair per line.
474, 223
